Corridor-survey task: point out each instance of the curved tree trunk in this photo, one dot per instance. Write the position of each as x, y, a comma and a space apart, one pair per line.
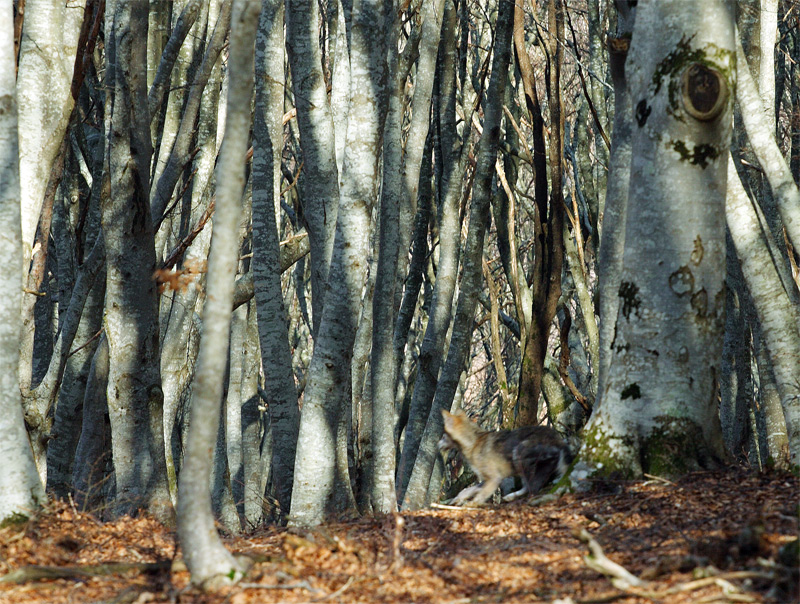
433, 347
209, 563
777, 316
46, 59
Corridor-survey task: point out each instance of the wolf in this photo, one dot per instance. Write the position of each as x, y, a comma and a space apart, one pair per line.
537, 454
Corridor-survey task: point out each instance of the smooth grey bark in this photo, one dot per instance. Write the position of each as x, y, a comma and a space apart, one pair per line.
256, 465
38, 402
164, 127
415, 204
209, 563
361, 388
772, 434
736, 383
758, 123
319, 179
179, 340
158, 33
21, 490
328, 391
222, 502
413, 156
777, 315
273, 323
767, 38
46, 61
93, 451
292, 251
470, 285
578, 270
414, 278
433, 344
135, 398
658, 412
232, 410
160, 84
179, 345
339, 59
380, 456
81, 295
68, 413
614, 216
180, 150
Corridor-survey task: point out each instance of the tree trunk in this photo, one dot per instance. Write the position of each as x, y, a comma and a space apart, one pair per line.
319, 179
614, 218
549, 255
461, 339
449, 238
273, 323
209, 563
381, 461
46, 60
658, 412
21, 490
328, 389
135, 399
777, 316
92, 452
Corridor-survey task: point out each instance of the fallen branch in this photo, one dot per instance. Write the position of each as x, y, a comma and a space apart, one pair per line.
300, 585
632, 585
338, 592
597, 560
34, 572
444, 506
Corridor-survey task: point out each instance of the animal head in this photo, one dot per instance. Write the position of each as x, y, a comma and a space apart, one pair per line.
459, 430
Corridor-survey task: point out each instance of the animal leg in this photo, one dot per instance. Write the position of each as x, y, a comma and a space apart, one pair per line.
487, 490
516, 494
465, 494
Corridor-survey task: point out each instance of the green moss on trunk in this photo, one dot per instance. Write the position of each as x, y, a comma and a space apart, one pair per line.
676, 446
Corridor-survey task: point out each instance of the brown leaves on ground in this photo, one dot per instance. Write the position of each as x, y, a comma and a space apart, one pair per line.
667, 534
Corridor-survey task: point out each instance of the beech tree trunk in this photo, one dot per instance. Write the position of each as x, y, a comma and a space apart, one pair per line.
317, 469
209, 563
21, 490
273, 323
658, 409
135, 398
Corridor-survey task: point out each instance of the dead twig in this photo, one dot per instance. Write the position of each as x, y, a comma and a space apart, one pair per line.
631, 584
659, 479
299, 585
597, 560
444, 506
338, 592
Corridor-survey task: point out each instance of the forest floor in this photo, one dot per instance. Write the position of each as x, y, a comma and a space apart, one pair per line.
709, 537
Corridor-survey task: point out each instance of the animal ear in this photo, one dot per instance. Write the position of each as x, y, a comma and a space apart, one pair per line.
449, 418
